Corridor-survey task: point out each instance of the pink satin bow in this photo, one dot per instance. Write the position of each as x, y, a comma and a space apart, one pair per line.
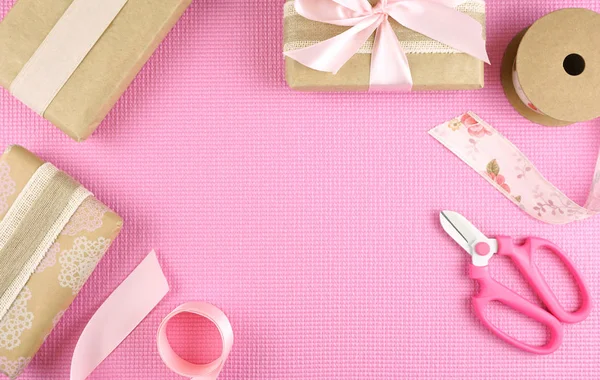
436, 19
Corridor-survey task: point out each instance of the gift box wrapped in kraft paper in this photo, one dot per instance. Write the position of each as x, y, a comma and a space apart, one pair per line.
385, 45
71, 60
53, 233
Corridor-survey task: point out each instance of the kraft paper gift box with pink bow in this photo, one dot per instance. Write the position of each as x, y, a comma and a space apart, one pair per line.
53, 232
391, 45
71, 60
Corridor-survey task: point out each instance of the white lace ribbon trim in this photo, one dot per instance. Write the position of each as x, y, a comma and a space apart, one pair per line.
409, 47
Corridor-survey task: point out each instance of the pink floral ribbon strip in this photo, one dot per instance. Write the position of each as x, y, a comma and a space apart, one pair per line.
498, 161
436, 19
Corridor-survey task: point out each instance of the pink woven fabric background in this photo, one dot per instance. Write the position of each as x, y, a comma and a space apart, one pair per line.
312, 219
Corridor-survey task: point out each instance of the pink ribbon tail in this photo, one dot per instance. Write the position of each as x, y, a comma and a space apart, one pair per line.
442, 23
118, 316
330, 55
389, 65
508, 170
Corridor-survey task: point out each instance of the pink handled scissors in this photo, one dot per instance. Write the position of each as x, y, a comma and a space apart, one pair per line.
482, 248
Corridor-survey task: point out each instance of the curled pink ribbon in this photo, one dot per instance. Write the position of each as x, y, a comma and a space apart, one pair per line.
436, 19
127, 307
178, 365
118, 316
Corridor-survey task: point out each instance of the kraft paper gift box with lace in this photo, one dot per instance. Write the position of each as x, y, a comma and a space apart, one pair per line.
52, 284
104, 73
433, 65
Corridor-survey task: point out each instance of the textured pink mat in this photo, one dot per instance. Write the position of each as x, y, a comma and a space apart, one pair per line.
311, 219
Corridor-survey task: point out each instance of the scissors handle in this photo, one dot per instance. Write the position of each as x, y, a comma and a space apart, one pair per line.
490, 290
522, 257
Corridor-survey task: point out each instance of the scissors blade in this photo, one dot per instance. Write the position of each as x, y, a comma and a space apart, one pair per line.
461, 230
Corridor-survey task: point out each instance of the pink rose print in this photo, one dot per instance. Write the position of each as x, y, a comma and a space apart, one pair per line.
500, 181
474, 127
493, 171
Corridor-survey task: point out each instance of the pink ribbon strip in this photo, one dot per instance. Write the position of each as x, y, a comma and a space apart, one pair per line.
118, 316
208, 371
436, 19
498, 161
125, 309
521, 93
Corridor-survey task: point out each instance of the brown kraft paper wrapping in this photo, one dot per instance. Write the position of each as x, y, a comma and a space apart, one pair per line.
61, 274
108, 69
430, 71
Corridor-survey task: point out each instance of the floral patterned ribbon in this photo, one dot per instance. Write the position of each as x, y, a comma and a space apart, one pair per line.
498, 161
521, 93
